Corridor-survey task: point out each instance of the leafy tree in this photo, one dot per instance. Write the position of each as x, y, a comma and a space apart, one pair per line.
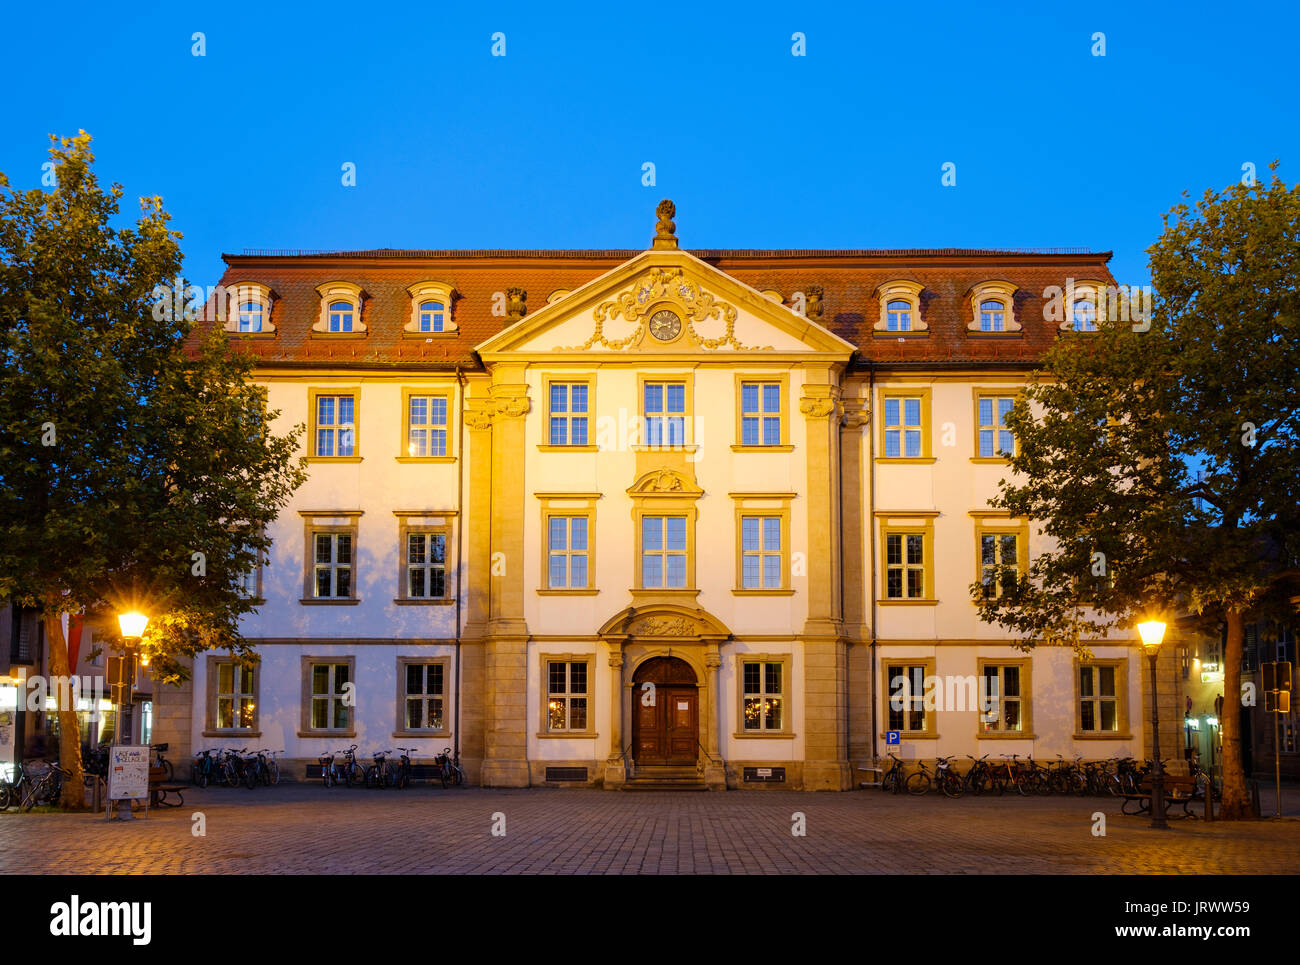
131, 439
1109, 430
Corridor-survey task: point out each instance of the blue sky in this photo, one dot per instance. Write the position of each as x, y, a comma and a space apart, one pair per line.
544, 147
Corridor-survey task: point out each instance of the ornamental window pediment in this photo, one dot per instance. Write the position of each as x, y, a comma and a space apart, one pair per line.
340, 309
431, 312
900, 307
993, 308
249, 309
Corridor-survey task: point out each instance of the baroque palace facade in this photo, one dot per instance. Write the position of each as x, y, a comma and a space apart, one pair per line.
622, 517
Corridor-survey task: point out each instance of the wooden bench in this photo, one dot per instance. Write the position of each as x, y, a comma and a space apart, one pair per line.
1178, 790
160, 792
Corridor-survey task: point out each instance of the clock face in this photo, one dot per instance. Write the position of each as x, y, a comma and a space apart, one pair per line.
665, 325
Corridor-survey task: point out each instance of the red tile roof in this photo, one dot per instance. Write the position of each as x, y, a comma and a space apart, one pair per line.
849, 279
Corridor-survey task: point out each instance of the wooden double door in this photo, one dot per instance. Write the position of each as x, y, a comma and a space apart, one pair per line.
665, 713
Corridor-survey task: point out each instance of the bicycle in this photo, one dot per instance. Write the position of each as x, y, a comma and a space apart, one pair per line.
46, 790
11, 792
951, 784
894, 778
918, 782
379, 774
273, 766
165, 764
449, 768
980, 776
328, 771
402, 778
353, 772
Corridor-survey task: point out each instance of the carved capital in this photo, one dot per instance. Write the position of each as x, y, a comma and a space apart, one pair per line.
817, 408
855, 413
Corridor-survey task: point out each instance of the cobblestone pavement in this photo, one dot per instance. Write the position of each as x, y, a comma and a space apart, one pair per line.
308, 829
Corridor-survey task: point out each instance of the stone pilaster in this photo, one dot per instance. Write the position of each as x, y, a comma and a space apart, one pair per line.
854, 485
505, 658
615, 764
826, 765
476, 517
715, 772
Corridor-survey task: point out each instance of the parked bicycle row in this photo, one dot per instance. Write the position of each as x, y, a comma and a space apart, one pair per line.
34, 782
231, 768
1024, 775
345, 767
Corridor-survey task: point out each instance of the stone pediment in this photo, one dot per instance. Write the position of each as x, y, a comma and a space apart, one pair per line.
666, 303
665, 482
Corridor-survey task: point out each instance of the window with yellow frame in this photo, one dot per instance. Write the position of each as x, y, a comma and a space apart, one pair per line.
904, 418
762, 420
906, 561
333, 430
994, 441
1001, 553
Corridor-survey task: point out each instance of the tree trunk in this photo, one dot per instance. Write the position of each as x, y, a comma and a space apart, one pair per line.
74, 795
1236, 798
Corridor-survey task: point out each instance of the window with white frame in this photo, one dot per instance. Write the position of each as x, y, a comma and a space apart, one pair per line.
341, 315
1098, 698
567, 552
903, 427
999, 562
760, 413
663, 552
424, 697
426, 565
762, 695
905, 566
330, 703
664, 413
906, 694
995, 439
250, 579
898, 315
568, 414
761, 555
566, 695
432, 316
250, 317
426, 426
236, 701
1084, 316
335, 425
1001, 712
993, 316
332, 565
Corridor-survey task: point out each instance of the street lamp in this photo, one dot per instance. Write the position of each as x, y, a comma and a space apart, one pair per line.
1152, 633
132, 625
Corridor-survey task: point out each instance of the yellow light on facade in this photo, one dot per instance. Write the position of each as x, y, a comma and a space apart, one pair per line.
132, 624
1152, 633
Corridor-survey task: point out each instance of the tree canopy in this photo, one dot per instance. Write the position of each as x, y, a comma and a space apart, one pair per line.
1163, 464
137, 468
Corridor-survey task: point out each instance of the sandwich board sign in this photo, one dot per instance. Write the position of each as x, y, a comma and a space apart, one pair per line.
128, 774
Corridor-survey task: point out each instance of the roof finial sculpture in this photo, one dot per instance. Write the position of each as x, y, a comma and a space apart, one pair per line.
665, 236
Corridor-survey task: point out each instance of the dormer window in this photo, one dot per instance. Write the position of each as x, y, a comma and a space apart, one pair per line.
247, 309
431, 310
1084, 316
340, 312
433, 316
993, 316
993, 308
1082, 304
900, 307
250, 317
899, 316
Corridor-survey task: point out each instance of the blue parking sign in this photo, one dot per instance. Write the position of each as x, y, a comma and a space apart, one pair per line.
892, 738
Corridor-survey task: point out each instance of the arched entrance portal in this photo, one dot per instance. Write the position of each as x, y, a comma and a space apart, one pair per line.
666, 713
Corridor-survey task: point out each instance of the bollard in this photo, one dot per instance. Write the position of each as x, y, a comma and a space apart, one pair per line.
1254, 798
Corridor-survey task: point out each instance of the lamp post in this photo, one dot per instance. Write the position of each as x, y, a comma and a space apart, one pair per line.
132, 625
1153, 634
